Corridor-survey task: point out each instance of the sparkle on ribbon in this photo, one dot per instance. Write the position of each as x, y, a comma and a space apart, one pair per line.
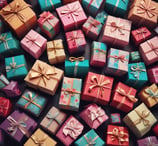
90, 141
70, 92
73, 59
39, 141
4, 39
151, 93
141, 32
120, 57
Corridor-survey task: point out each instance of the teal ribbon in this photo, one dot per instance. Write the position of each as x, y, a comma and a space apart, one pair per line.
151, 93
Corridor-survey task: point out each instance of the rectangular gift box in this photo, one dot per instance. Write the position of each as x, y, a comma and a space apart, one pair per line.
3, 3
148, 141
153, 74
53, 120
140, 120
44, 77
135, 56
95, 87
71, 15
3, 81
101, 17
69, 131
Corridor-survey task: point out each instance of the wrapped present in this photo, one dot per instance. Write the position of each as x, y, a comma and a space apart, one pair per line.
140, 120
101, 17
5, 107
117, 136
95, 87
70, 93
135, 56
116, 31
117, 62
90, 138
49, 24
39, 138
153, 74
115, 118
3, 3
53, 120
76, 41
55, 51
148, 141
34, 43
149, 50
69, 131
44, 77
98, 55
32, 102
76, 66
19, 16
92, 28
156, 30
72, 15
94, 116
3, 81
155, 129
19, 126
123, 97
1, 138
16, 67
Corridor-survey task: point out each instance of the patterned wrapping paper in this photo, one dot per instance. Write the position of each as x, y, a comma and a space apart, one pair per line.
101, 16
153, 74
135, 56
148, 141
3, 81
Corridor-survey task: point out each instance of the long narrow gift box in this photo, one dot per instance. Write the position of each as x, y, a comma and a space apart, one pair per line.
148, 141
153, 74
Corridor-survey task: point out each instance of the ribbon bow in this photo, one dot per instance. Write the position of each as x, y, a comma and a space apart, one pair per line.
70, 92
39, 141
90, 141
32, 40
73, 59
120, 57
136, 70
4, 39
151, 93
141, 32
115, 27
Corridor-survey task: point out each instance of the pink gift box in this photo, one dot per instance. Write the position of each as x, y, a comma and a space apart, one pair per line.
34, 43
149, 50
94, 116
72, 15
153, 74
70, 130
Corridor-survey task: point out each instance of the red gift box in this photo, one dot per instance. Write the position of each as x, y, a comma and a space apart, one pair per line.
97, 88
153, 74
155, 130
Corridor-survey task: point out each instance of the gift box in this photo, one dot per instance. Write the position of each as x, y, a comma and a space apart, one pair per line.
76, 41
115, 118
76, 66
1, 138
3, 3
3, 81
32, 102
156, 30
94, 116
117, 136
71, 15
18, 126
148, 141
49, 24
55, 51
90, 138
123, 97
116, 31
149, 50
70, 94
16, 67
140, 120
98, 55
70, 1
53, 120
19, 16
44, 77
92, 28
153, 74
155, 130
101, 17
135, 56
34, 43
39, 137
69, 131
95, 87
117, 62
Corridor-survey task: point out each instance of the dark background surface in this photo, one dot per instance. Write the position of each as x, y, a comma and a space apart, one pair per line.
53, 100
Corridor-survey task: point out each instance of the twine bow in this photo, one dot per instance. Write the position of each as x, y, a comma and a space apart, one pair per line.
141, 32
120, 57
136, 70
151, 93
39, 141
117, 27
90, 141
70, 92
73, 59
54, 46
4, 39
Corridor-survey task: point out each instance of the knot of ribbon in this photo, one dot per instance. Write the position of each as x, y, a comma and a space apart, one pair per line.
70, 92
32, 40
151, 93
117, 27
39, 141
136, 70
4, 39
90, 141
141, 32
120, 57
100, 50
155, 49
73, 59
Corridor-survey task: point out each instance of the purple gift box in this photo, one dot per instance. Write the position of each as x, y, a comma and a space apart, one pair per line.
148, 141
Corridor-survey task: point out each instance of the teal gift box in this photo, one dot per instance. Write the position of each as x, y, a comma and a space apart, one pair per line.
3, 81
90, 138
135, 56
32, 102
116, 7
137, 75
16, 67
8, 44
76, 67
101, 17
49, 5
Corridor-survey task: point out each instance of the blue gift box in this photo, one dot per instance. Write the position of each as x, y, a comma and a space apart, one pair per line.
101, 17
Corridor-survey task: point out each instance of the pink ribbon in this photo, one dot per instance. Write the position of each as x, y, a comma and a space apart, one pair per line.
155, 49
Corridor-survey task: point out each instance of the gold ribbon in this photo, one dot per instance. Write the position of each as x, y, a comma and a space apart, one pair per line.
73, 59
120, 57
39, 141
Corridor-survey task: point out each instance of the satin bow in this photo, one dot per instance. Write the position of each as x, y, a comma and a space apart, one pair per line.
39, 141
73, 59
151, 93
136, 70
120, 57
115, 27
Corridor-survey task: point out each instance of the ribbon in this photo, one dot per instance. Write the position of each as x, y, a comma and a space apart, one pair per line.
141, 32
152, 94
50, 3
94, 4
120, 57
3, 80
117, 27
155, 49
149, 142
117, 3
3, 107
4, 39
39, 141
54, 46
100, 51
90, 141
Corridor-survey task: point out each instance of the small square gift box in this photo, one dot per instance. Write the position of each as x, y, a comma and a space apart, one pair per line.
49, 24
97, 88
117, 136
34, 43
19, 16
3, 3
101, 16
155, 129
135, 56
76, 41
69, 131
123, 97
40, 138
3, 81
71, 15
16, 67
115, 118
140, 120
44, 77
117, 62
153, 74
53, 120
18, 126
116, 31
92, 28
55, 51
70, 94
90, 138
31, 102
76, 66
149, 50
94, 116
148, 141
98, 55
